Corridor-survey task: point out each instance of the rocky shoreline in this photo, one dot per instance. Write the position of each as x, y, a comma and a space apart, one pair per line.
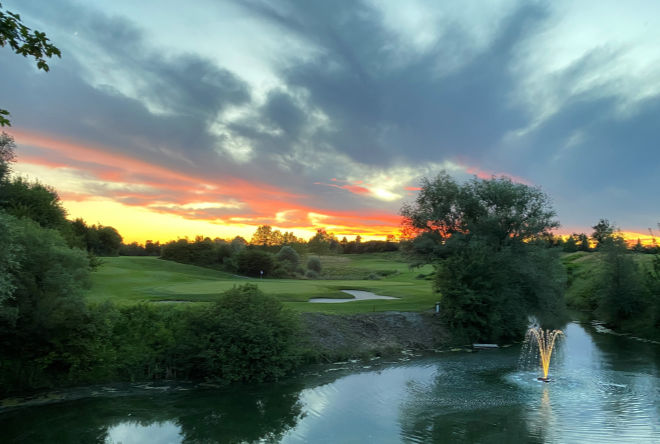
372, 334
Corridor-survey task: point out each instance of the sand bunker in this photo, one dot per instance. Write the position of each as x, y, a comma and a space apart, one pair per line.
358, 295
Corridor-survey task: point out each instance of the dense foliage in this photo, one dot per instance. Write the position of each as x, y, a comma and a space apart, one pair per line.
43, 312
32, 200
245, 336
618, 285
485, 239
254, 262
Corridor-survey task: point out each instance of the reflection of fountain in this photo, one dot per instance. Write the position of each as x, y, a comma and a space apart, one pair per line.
545, 341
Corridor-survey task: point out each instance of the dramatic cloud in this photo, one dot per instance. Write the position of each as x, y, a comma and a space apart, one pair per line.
327, 114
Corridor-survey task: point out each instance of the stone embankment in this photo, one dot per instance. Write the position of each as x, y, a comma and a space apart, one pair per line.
372, 334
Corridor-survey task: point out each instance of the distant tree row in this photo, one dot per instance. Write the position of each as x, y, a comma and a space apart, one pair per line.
603, 231
206, 251
237, 256
150, 248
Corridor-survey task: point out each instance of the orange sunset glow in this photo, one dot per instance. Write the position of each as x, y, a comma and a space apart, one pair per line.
259, 118
144, 201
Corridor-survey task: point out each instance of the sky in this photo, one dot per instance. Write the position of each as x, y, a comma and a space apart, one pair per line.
168, 119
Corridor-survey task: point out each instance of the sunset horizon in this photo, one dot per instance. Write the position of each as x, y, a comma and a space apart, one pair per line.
53, 162
318, 117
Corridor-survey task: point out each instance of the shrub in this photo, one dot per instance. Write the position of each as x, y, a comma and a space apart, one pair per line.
311, 274
289, 258
252, 262
246, 336
314, 263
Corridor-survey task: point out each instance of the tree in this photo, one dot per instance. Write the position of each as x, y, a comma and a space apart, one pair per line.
485, 238
7, 154
498, 209
289, 257
620, 286
323, 242
570, 244
33, 200
45, 315
252, 262
9, 251
583, 242
603, 230
26, 42
262, 236
109, 241
238, 243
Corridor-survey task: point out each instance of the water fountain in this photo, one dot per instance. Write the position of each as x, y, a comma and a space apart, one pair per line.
545, 341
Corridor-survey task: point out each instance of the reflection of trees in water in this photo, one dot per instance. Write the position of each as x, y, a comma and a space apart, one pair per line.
503, 424
637, 364
625, 353
240, 418
465, 405
230, 416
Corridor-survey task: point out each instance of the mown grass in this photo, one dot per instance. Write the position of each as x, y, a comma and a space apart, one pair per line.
130, 280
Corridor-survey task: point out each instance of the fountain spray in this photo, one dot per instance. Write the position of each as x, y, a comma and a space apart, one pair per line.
545, 340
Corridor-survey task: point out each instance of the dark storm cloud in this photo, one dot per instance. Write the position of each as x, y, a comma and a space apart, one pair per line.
188, 90
383, 111
281, 110
360, 92
183, 84
611, 170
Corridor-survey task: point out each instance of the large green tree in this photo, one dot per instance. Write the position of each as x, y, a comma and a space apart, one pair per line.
33, 200
26, 42
603, 231
485, 239
620, 287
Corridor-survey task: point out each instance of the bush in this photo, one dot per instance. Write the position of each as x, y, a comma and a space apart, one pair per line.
311, 274
252, 262
289, 258
314, 264
246, 336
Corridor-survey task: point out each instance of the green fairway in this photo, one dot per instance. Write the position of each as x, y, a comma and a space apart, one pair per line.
128, 280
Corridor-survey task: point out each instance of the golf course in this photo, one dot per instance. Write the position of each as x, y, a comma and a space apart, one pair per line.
134, 280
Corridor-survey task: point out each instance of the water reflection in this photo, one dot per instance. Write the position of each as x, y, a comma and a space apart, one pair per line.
231, 416
467, 402
604, 388
599, 395
132, 432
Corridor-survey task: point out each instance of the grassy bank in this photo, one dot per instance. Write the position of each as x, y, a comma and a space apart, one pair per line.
582, 268
131, 280
617, 287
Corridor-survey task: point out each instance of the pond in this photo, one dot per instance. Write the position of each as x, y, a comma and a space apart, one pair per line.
605, 388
